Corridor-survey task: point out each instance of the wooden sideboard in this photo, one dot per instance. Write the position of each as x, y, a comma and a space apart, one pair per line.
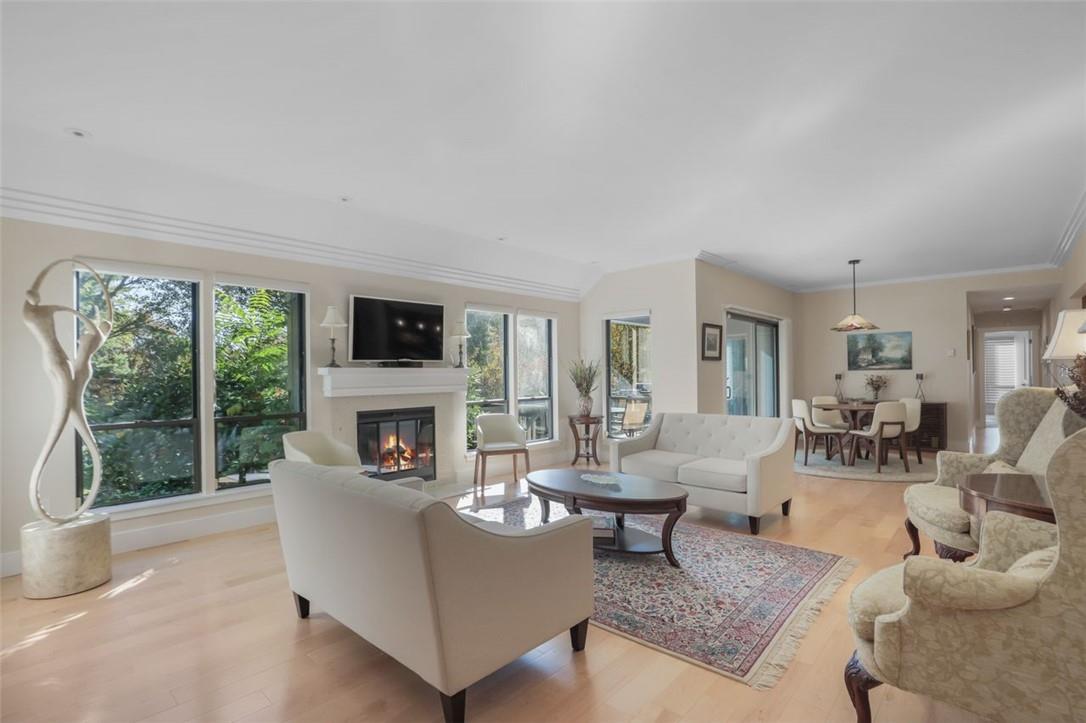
932, 433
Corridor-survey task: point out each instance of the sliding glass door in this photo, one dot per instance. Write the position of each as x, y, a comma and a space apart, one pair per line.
752, 366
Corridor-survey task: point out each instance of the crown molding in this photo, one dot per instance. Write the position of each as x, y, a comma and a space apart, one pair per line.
931, 277
1076, 226
33, 206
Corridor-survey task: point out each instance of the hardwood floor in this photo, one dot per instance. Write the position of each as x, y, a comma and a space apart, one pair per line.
206, 630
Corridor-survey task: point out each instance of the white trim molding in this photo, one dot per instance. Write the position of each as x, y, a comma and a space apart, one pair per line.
1076, 226
374, 381
33, 206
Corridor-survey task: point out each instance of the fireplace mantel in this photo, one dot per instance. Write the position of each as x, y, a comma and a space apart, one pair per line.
373, 381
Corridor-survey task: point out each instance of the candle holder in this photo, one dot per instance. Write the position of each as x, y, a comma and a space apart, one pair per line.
920, 386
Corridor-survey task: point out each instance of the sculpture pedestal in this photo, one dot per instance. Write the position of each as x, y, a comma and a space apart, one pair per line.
65, 559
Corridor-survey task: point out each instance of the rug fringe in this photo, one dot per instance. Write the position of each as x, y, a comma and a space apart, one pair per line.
780, 653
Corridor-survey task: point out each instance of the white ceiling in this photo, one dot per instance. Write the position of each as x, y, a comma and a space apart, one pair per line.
787, 138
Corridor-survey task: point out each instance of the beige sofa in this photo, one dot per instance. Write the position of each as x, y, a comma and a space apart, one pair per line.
1002, 635
725, 462
451, 597
1032, 424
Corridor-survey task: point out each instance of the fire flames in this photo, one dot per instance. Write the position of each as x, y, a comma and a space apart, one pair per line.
395, 455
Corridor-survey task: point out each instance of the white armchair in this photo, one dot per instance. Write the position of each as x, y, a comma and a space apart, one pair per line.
497, 434
319, 448
1003, 635
451, 597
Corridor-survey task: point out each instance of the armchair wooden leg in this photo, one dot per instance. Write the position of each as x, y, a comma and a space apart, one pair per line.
528, 462
914, 537
578, 634
858, 682
301, 604
754, 523
946, 552
786, 507
482, 471
475, 478
453, 706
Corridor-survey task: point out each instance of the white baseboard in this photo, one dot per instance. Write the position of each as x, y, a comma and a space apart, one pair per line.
168, 532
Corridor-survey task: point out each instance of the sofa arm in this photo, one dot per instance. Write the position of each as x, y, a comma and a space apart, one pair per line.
941, 583
641, 443
500, 592
952, 467
771, 473
1005, 537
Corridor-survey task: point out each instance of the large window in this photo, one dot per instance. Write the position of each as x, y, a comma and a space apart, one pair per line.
259, 379
142, 399
535, 365
629, 375
492, 375
487, 362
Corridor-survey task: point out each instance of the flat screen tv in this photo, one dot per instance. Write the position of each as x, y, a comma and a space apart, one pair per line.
395, 330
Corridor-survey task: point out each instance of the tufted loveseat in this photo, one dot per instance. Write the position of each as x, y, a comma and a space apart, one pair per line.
725, 462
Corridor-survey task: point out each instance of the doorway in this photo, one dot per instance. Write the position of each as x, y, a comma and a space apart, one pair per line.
1007, 366
751, 366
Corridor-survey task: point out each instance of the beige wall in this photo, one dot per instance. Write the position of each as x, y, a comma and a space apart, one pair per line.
937, 314
666, 293
719, 289
25, 247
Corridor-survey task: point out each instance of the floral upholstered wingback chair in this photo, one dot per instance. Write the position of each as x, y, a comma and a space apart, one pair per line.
1032, 424
1003, 635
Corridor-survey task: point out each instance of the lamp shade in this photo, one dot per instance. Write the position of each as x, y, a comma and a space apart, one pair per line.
460, 331
1068, 339
853, 322
332, 319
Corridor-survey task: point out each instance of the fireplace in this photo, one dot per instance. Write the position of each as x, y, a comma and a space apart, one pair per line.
395, 443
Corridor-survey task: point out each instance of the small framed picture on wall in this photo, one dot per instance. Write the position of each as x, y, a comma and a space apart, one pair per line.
711, 342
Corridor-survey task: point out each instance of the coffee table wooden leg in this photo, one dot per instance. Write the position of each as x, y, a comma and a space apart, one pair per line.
620, 520
546, 510
665, 536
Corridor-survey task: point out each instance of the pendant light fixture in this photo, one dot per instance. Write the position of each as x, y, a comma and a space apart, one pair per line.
853, 322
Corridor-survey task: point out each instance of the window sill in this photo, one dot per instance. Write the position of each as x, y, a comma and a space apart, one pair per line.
541, 444
134, 510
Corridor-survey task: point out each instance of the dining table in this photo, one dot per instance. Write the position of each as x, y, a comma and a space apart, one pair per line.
853, 410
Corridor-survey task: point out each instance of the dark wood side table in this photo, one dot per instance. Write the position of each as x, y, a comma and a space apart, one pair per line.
585, 443
1019, 494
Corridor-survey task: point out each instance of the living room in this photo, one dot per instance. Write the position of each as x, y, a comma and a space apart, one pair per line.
299, 372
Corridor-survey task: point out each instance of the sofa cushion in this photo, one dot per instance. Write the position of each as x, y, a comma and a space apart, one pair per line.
715, 473
882, 593
1035, 564
718, 435
657, 463
937, 505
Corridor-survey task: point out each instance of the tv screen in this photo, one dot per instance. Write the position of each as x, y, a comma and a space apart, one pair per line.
389, 330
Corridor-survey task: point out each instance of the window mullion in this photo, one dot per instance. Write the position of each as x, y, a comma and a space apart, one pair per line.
206, 374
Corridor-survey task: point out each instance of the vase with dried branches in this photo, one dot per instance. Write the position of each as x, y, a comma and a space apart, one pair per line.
1074, 396
585, 376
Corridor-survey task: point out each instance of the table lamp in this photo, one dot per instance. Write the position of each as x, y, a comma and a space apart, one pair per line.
333, 321
460, 333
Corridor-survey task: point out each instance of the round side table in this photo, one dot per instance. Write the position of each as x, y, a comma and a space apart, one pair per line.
585, 437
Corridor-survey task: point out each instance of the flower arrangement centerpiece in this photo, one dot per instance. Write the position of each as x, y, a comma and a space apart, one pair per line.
1074, 396
876, 383
585, 376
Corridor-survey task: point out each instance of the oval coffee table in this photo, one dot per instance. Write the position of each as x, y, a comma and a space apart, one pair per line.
627, 494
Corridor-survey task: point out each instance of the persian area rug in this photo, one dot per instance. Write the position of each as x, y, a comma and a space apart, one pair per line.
739, 606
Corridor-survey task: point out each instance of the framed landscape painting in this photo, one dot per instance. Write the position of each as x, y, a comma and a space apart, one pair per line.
880, 350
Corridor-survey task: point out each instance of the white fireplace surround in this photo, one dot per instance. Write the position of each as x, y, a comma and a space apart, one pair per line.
374, 381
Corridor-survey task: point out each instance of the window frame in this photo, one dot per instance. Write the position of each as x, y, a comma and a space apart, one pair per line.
551, 374
625, 319
506, 401
204, 457
303, 376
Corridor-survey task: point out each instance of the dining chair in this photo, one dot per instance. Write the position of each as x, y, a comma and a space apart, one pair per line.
633, 416
912, 424
887, 426
827, 417
497, 434
810, 431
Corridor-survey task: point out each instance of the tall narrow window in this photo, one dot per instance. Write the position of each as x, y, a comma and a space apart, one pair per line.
629, 375
487, 379
751, 366
259, 379
535, 369
142, 399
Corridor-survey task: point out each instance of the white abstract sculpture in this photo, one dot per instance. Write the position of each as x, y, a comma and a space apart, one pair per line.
65, 554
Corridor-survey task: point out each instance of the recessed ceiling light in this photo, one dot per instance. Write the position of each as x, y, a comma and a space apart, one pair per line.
1008, 298
77, 133
1006, 308
344, 199
501, 238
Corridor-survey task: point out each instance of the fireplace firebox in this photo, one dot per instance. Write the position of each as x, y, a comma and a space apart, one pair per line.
396, 443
